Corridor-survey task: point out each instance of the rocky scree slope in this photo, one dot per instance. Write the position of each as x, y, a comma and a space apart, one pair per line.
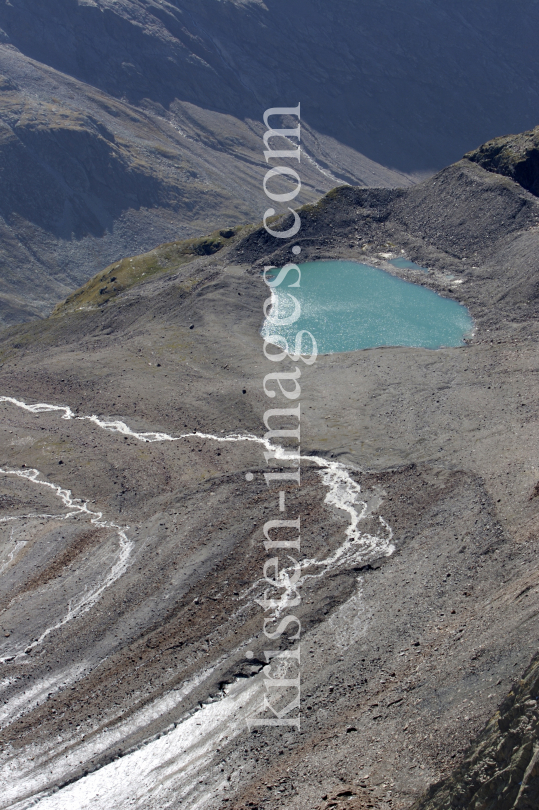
406, 656
501, 769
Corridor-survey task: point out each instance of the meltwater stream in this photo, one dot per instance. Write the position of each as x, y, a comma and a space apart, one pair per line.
169, 767
349, 306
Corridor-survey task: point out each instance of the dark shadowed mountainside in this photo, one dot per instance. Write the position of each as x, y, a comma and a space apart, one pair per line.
411, 86
88, 178
127, 123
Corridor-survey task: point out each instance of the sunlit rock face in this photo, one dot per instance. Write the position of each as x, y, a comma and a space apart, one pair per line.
501, 769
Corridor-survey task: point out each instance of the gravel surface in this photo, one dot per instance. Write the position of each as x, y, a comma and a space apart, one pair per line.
411, 636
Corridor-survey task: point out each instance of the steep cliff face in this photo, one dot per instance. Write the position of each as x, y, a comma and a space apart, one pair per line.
501, 770
515, 156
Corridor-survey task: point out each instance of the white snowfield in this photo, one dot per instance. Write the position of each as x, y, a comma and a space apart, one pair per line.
180, 767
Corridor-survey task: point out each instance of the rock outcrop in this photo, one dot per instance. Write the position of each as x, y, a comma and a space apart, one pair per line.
515, 156
501, 769
88, 178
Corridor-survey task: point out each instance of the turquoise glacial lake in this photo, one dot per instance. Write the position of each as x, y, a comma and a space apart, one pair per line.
349, 306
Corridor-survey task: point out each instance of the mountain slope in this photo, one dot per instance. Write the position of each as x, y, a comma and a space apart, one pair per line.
501, 770
412, 87
128, 123
131, 661
87, 179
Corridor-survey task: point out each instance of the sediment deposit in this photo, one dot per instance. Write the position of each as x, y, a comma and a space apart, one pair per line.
150, 414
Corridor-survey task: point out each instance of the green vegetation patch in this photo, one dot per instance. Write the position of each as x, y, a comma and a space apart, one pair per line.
124, 274
326, 201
